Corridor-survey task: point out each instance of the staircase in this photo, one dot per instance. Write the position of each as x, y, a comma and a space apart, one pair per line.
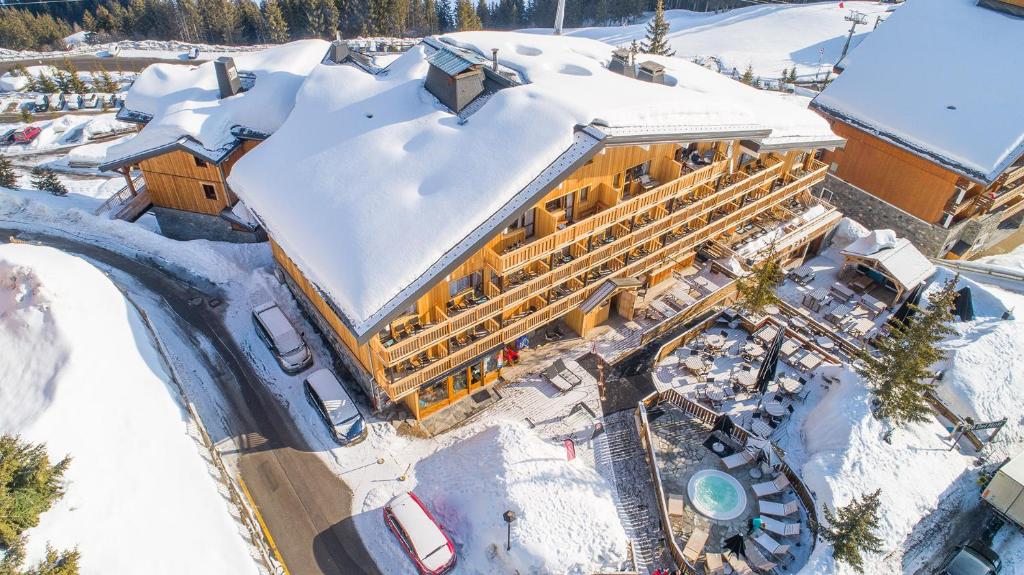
124, 205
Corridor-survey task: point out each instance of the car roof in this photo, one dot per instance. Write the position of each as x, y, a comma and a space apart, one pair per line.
335, 399
274, 320
424, 535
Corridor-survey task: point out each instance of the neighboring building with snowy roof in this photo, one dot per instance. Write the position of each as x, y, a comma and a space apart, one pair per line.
923, 136
197, 121
485, 184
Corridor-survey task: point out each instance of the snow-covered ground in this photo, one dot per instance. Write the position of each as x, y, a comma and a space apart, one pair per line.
80, 374
162, 49
766, 37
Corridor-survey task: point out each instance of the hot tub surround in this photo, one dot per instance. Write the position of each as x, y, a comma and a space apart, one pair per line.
716, 494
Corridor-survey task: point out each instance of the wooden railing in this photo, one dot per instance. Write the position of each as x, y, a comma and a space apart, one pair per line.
431, 336
121, 196
584, 228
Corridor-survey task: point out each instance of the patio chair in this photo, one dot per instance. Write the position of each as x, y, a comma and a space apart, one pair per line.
760, 562
781, 527
769, 487
741, 457
675, 504
695, 545
777, 509
713, 564
739, 566
771, 545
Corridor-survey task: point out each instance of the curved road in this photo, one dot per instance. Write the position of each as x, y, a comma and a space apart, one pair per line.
306, 507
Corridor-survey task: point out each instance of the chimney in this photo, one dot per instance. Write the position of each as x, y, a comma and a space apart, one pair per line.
621, 64
339, 51
227, 76
652, 72
454, 80
559, 17
494, 59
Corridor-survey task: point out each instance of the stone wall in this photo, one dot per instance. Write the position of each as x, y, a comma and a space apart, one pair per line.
182, 225
933, 240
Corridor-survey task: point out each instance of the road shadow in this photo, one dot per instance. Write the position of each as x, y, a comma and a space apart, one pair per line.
342, 540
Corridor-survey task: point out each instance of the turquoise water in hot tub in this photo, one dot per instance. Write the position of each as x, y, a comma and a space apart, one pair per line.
715, 493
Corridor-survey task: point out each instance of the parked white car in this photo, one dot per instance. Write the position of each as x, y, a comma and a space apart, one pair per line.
335, 408
280, 336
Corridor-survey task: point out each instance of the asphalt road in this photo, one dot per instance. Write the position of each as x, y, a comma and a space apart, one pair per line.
90, 63
307, 508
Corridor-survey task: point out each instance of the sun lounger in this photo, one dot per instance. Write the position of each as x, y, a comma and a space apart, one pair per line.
713, 564
739, 566
675, 504
695, 545
777, 509
769, 487
781, 527
771, 545
741, 457
756, 558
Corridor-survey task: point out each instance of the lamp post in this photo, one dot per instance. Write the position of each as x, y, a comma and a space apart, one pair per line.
509, 517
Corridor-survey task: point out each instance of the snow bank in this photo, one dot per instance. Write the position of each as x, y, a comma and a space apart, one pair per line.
766, 37
92, 154
12, 83
1013, 260
566, 517
913, 83
80, 374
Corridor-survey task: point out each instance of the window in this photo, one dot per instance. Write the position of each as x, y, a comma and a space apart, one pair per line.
199, 162
554, 205
209, 191
583, 194
464, 283
525, 221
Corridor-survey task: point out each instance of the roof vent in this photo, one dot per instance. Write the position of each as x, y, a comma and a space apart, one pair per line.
228, 81
621, 64
454, 79
339, 51
651, 71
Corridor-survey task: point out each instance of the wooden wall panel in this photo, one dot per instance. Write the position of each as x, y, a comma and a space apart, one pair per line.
892, 173
175, 181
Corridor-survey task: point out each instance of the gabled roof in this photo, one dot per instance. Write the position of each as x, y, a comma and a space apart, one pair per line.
917, 82
181, 105
897, 256
375, 190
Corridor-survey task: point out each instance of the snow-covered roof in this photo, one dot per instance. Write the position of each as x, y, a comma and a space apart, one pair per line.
915, 82
375, 189
183, 103
897, 256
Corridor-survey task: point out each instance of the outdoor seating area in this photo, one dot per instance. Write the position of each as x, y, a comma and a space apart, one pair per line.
771, 531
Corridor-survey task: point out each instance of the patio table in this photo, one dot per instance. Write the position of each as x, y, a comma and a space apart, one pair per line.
789, 347
874, 306
760, 428
810, 361
790, 385
753, 350
861, 327
774, 408
746, 379
815, 299
715, 341
771, 309
694, 364
838, 313
825, 343
766, 333
845, 293
716, 395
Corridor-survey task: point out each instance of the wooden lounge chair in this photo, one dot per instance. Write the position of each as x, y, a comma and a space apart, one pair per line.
771, 545
781, 527
741, 457
777, 509
713, 564
739, 566
756, 558
769, 487
675, 504
695, 545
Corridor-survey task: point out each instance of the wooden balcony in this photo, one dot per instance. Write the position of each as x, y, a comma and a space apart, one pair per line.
691, 218
579, 291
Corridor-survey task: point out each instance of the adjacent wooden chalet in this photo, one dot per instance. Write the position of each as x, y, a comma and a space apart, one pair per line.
429, 290
945, 158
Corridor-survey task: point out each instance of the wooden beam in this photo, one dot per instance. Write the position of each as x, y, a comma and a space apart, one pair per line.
127, 171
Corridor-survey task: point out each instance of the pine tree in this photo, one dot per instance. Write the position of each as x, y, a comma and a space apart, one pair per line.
851, 530
467, 16
656, 41
445, 19
45, 179
757, 289
792, 75
273, 22
748, 76
29, 485
53, 563
74, 81
899, 371
483, 13
784, 77
45, 84
26, 116
8, 179
105, 84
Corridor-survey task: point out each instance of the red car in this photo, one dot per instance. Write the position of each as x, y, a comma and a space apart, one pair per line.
27, 135
419, 534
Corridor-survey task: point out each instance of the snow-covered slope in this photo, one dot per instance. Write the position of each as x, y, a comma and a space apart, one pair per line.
79, 373
768, 38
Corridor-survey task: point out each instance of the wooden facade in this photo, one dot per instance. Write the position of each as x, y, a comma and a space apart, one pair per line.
182, 181
631, 212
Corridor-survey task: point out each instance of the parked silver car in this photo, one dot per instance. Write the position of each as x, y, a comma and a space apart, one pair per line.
334, 406
280, 336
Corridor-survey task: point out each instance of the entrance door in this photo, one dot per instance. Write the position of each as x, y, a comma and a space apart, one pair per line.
569, 201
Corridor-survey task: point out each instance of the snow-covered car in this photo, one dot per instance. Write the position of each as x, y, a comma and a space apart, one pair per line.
421, 537
193, 53
72, 101
89, 100
55, 102
972, 559
280, 336
40, 104
334, 406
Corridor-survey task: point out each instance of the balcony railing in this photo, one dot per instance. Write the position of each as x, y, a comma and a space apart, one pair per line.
558, 308
543, 282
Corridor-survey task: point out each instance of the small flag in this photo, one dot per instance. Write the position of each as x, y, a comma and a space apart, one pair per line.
570, 449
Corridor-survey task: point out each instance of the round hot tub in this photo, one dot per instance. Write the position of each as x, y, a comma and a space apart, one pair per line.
716, 495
